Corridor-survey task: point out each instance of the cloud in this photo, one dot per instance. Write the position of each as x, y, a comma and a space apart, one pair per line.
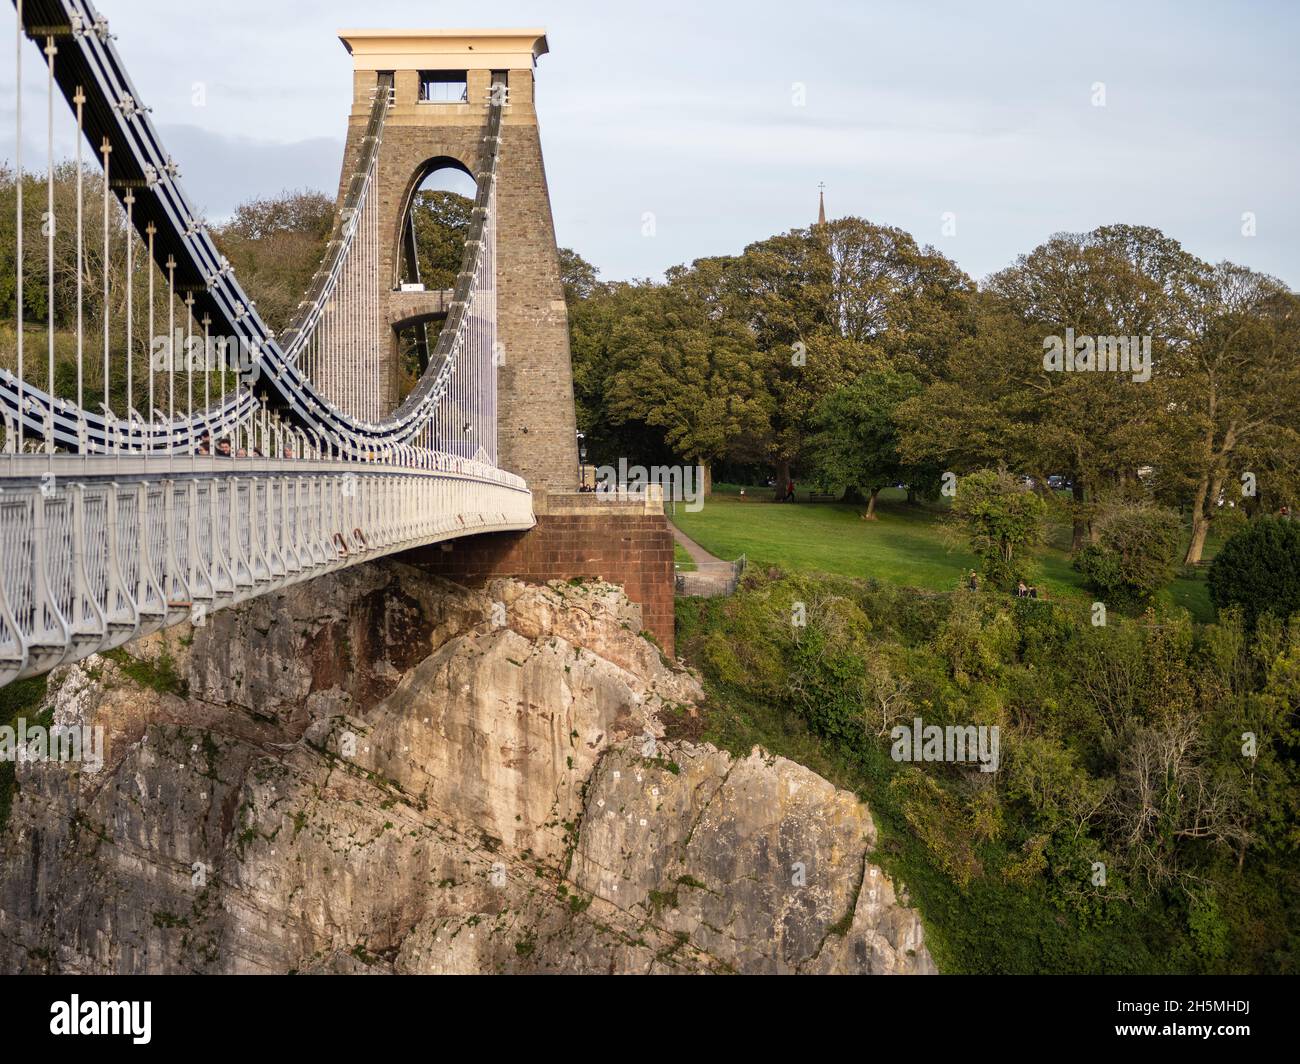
220, 172
912, 110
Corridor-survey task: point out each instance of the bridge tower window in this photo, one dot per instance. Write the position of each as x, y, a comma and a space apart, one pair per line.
444, 86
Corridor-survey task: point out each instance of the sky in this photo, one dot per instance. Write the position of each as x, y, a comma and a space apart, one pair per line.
981, 128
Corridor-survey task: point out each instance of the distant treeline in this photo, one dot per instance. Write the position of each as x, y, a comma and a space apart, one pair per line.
852, 358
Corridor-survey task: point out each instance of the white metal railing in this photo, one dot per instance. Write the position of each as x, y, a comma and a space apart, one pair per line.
89, 564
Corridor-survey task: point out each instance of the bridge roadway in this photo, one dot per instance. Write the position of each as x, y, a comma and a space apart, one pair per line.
103, 549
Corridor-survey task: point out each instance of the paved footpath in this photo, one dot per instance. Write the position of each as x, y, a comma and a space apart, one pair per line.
712, 575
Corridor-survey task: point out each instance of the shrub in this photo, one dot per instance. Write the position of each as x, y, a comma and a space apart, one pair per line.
1258, 569
1130, 731
1135, 556
1003, 519
975, 647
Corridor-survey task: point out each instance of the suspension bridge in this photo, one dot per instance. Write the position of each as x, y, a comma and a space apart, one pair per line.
162, 481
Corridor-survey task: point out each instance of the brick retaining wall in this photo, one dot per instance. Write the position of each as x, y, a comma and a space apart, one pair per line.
626, 542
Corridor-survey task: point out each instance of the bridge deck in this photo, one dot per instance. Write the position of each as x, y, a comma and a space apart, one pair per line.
100, 551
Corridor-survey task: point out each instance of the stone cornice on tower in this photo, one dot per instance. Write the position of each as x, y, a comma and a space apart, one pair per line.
462, 49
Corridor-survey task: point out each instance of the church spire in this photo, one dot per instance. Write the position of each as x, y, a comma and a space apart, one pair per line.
821, 203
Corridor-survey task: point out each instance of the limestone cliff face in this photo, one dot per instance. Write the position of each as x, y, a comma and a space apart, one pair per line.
382, 772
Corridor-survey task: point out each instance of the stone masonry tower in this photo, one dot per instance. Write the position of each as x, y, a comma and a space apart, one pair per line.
442, 80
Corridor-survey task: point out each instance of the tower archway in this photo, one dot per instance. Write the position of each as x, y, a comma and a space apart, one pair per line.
434, 226
433, 222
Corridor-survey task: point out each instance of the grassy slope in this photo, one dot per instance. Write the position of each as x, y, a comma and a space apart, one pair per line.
906, 545
986, 926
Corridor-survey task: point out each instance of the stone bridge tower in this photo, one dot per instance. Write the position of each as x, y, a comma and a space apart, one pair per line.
441, 82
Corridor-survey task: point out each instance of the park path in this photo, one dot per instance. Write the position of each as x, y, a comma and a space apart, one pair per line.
712, 575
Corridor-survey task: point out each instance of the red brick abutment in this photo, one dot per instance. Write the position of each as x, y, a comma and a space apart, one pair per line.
624, 540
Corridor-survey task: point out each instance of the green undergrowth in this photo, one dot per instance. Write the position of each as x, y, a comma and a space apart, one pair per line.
20, 700
160, 675
1002, 866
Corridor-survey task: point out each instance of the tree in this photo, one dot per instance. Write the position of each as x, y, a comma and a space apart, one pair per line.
275, 245
781, 288
580, 278
910, 303
596, 329
98, 306
823, 302
681, 369
1002, 518
981, 411
1169, 792
856, 447
1237, 385
1116, 281
1258, 570
1135, 554
1274, 464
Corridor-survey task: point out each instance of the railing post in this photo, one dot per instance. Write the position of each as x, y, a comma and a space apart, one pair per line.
84, 605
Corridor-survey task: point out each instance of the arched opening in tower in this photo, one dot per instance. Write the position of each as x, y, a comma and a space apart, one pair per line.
434, 232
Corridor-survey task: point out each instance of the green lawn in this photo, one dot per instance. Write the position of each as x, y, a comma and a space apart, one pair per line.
682, 560
906, 545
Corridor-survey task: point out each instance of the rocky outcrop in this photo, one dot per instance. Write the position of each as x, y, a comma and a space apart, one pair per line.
379, 771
